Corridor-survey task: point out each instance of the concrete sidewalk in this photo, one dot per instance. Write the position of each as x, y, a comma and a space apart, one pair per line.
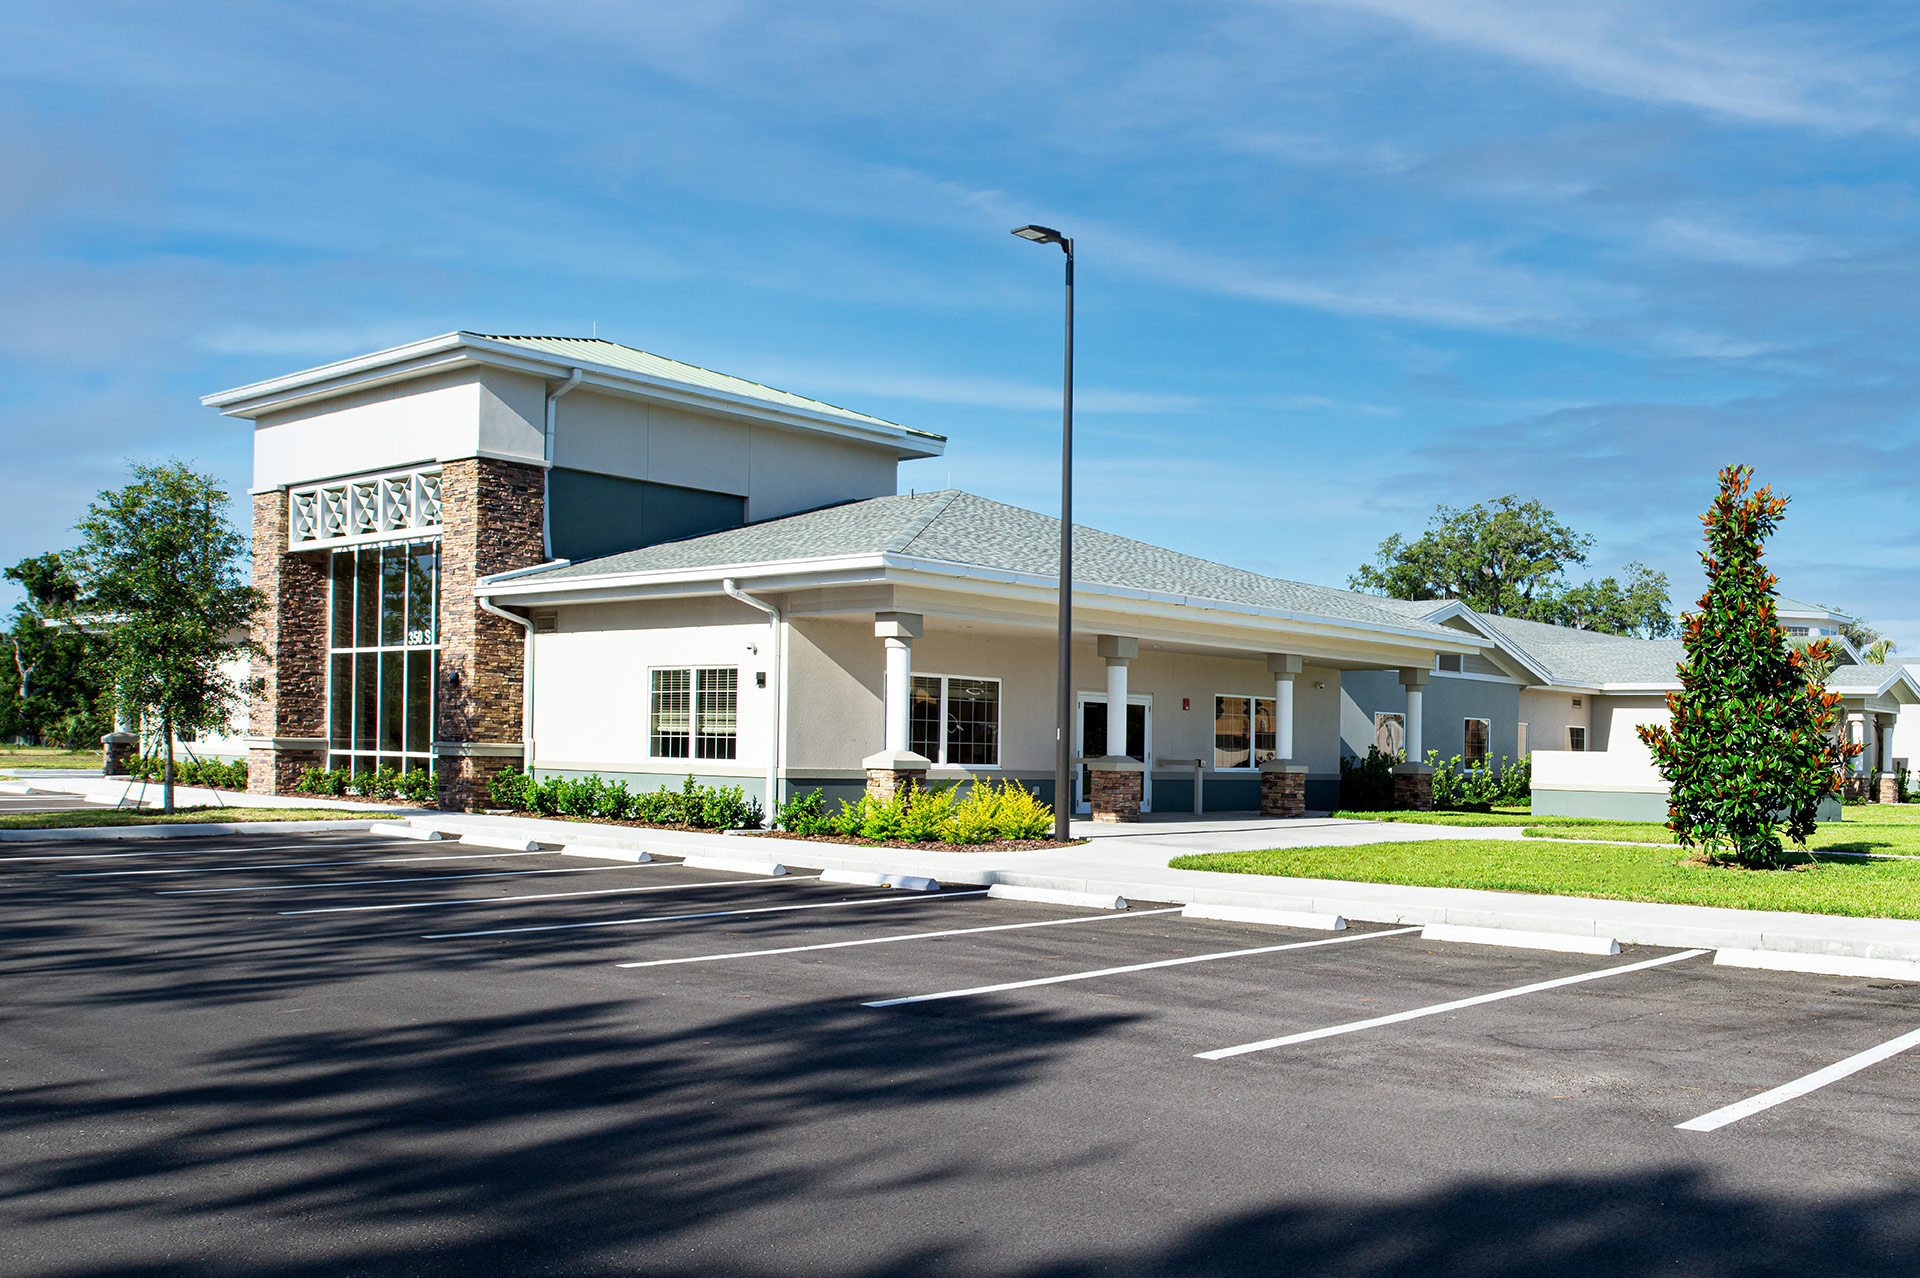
1131, 861
129, 793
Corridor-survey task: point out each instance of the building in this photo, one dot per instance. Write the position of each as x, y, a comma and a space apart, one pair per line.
572, 557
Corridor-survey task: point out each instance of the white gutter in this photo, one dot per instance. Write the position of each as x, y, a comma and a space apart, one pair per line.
774, 628
546, 478
1443, 638
526, 679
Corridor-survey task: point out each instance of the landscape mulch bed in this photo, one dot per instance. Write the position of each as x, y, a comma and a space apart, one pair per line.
1002, 845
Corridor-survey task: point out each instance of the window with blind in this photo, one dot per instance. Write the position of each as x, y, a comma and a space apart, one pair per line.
695, 713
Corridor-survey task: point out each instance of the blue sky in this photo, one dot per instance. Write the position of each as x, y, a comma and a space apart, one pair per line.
1339, 260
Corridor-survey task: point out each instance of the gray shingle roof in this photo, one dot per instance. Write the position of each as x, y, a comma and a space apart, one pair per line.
960, 528
1862, 677
1586, 658
594, 350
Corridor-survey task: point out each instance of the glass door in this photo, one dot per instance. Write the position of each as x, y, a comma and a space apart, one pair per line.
1090, 742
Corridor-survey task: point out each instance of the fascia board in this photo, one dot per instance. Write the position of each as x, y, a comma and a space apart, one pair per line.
279, 391
464, 349
1670, 685
811, 573
1444, 641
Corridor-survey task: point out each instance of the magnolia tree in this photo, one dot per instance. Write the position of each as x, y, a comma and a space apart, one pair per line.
1752, 746
159, 573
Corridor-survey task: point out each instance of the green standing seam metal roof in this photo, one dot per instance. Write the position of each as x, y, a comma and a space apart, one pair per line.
594, 350
960, 528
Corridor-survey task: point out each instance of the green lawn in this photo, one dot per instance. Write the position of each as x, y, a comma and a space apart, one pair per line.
89, 818
1499, 816
1819, 885
19, 756
1874, 827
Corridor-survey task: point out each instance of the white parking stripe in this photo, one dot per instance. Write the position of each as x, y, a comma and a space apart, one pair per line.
416, 878
267, 847
905, 936
1435, 1010
1801, 1086
1138, 967
542, 896
918, 899
297, 865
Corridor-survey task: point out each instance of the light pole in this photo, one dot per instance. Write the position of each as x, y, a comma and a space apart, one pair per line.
1063, 687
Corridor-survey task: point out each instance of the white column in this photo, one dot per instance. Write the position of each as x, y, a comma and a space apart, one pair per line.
899, 694
1864, 763
1284, 668
1119, 651
1415, 681
898, 630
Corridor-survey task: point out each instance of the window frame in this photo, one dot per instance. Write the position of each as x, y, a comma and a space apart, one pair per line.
1581, 738
363, 756
946, 718
1252, 700
696, 716
1486, 741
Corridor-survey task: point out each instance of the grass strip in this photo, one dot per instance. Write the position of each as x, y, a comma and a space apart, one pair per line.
1814, 884
82, 819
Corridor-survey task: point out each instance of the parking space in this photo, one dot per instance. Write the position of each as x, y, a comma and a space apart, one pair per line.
1368, 1059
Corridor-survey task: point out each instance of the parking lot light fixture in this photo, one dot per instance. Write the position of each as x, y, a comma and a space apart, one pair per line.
1063, 687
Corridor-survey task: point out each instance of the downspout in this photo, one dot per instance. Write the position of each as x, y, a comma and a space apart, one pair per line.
773, 692
526, 679
546, 491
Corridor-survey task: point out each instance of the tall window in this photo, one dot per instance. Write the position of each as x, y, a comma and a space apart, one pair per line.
1576, 738
1243, 735
955, 721
695, 713
1478, 732
383, 656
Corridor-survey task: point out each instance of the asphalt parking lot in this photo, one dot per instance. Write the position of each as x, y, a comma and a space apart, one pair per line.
321, 1054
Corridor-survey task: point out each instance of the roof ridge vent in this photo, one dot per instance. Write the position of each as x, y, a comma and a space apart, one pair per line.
919, 523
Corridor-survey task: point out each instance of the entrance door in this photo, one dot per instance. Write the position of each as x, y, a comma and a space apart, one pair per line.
1090, 742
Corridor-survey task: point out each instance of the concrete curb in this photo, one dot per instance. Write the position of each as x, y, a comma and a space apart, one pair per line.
182, 831
1514, 938
1822, 964
1090, 869
1054, 896
1269, 918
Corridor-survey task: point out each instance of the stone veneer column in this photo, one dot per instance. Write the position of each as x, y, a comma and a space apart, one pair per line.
490, 517
1115, 788
1283, 789
288, 711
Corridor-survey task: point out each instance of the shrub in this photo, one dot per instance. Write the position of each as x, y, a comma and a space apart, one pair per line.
324, 781
417, 785
928, 817
511, 788
381, 784
804, 814
616, 804
655, 807
725, 808
577, 796
1366, 785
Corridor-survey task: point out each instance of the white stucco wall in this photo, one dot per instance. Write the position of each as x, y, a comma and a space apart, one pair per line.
1549, 714
391, 426
592, 684
1615, 718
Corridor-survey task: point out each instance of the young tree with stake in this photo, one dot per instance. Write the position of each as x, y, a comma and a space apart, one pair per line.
1751, 746
159, 571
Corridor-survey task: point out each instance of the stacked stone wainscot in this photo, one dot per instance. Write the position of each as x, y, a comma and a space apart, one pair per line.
288, 703
490, 522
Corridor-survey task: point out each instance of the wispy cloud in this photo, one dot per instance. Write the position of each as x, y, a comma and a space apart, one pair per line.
1711, 58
